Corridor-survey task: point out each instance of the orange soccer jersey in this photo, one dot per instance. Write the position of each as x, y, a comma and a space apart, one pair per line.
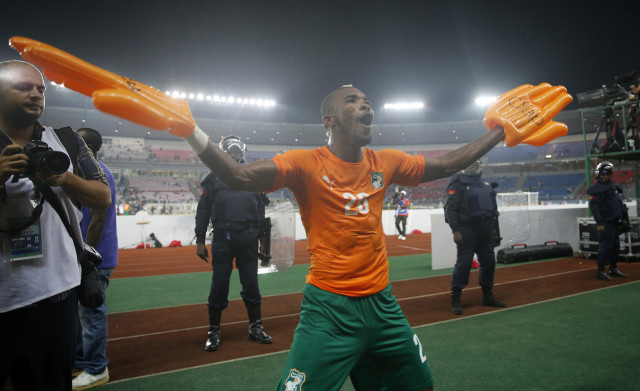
341, 207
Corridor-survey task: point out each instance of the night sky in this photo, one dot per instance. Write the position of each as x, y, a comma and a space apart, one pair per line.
444, 53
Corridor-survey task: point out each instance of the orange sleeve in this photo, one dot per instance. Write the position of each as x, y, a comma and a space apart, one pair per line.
291, 168
409, 169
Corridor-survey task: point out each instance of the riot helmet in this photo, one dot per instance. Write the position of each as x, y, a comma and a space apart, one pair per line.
233, 146
474, 169
604, 168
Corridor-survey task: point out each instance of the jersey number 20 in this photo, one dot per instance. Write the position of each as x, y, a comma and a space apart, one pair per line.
361, 203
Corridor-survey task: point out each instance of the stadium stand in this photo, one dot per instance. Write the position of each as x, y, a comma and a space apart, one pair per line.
161, 177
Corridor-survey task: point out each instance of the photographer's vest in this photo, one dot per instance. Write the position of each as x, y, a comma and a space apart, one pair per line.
27, 281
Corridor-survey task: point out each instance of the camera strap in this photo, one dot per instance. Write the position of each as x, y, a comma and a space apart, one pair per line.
35, 215
50, 196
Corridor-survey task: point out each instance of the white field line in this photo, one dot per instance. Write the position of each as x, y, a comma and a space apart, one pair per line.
296, 313
426, 325
499, 283
411, 248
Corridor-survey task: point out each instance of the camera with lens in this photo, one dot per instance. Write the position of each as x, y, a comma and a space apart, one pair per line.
44, 159
607, 95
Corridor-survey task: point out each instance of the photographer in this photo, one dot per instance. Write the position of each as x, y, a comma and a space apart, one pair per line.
635, 88
38, 261
630, 77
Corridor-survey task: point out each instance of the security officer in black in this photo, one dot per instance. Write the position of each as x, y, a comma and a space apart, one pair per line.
236, 218
471, 211
608, 211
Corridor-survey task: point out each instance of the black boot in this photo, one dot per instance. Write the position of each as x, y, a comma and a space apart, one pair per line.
489, 300
213, 337
456, 307
256, 331
614, 272
602, 275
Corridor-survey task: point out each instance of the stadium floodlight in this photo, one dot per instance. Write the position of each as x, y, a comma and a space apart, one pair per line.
485, 100
400, 106
219, 99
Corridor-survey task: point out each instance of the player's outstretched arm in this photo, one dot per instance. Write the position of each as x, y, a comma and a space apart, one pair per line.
136, 102
448, 164
256, 177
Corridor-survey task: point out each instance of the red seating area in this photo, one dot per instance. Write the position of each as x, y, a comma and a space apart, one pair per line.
173, 155
623, 177
428, 193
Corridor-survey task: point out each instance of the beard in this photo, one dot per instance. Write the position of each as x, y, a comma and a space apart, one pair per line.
18, 116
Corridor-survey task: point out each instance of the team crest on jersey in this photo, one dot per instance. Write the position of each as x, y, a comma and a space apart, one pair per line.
376, 180
295, 380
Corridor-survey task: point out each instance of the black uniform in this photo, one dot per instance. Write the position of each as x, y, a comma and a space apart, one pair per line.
608, 210
471, 210
236, 218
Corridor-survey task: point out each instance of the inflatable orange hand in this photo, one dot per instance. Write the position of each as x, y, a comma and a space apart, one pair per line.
526, 114
112, 94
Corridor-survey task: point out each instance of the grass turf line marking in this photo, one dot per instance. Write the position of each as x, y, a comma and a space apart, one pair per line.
414, 327
524, 305
198, 366
297, 313
495, 284
195, 328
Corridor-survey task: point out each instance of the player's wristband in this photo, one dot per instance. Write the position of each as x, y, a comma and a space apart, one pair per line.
198, 140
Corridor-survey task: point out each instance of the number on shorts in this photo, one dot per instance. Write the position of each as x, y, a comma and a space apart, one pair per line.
416, 341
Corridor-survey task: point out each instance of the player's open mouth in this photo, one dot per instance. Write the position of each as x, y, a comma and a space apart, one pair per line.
367, 119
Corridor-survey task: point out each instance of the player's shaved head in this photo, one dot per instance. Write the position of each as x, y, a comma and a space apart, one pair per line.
328, 104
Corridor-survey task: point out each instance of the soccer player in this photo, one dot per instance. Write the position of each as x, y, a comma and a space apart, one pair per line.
350, 323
